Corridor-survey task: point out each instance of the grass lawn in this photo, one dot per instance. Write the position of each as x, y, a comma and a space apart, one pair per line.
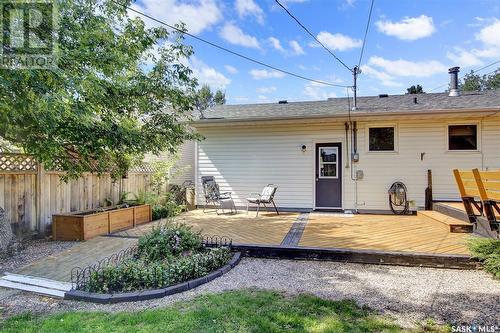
234, 311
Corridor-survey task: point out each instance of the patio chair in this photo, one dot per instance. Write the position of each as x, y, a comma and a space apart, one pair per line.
266, 197
488, 183
215, 197
469, 191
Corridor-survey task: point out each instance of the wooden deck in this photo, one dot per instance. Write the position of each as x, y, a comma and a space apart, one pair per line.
383, 233
417, 234
266, 229
460, 206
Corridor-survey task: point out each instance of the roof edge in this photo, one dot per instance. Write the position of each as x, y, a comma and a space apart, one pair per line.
354, 115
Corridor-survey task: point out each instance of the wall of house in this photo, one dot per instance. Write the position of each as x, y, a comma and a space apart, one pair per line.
244, 158
183, 168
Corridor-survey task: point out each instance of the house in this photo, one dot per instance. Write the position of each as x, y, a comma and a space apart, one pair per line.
327, 155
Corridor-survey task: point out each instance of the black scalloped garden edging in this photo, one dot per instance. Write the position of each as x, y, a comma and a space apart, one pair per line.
143, 295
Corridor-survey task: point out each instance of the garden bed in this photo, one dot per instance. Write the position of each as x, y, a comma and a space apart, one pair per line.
85, 225
142, 295
171, 258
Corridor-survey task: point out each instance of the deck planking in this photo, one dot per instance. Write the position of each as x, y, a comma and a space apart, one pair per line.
383, 233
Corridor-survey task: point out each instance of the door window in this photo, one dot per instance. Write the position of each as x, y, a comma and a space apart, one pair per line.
328, 162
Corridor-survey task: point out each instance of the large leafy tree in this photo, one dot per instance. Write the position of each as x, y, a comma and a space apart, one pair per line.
114, 96
475, 82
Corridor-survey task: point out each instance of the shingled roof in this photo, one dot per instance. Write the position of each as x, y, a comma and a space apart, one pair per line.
334, 107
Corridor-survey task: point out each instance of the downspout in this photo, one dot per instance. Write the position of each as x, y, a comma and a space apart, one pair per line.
354, 149
347, 144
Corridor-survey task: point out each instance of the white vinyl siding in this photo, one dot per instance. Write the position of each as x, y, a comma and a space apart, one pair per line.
184, 168
244, 159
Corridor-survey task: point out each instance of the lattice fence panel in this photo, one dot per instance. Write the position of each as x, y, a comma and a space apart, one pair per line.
143, 168
17, 162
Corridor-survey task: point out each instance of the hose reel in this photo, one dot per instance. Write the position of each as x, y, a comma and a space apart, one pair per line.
398, 199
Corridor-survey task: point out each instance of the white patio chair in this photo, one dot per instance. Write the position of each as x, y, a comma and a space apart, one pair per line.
266, 197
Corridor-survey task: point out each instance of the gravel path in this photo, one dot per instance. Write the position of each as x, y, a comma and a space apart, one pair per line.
408, 294
32, 250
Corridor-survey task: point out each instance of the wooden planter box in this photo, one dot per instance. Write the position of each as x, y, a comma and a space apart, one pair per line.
89, 224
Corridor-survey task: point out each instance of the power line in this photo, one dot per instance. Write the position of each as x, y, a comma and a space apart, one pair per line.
474, 71
312, 35
493, 63
228, 50
366, 33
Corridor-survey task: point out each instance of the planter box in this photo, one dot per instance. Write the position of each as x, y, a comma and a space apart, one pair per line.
89, 224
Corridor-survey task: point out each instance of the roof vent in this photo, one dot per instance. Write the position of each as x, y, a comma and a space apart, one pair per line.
383, 95
283, 102
415, 101
454, 81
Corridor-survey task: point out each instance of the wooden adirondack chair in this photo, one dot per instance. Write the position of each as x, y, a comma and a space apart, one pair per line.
488, 183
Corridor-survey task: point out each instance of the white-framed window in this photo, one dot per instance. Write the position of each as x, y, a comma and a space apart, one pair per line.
328, 166
382, 138
463, 137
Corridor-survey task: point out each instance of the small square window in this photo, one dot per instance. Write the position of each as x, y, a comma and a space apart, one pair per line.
328, 164
462, 137
381, 139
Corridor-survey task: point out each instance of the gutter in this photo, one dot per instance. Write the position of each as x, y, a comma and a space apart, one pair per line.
357, 115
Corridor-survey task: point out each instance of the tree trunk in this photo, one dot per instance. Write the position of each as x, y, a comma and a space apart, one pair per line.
5, 231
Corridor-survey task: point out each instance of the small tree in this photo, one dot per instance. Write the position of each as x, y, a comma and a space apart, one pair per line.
205, 98
415, 89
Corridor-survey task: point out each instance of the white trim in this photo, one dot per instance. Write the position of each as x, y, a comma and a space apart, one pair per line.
336, 163
315, 208
370, 115
464, 122
382, 125
315, 141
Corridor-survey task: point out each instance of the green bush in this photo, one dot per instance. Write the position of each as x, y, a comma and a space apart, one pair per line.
162, 206
487, 250
169, 240
168, 209
138, 274
168, 254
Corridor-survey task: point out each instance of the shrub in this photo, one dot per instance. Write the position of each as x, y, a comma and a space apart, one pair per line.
487, 251
167, 240
168, 209
138, 274
168, 254
163, 206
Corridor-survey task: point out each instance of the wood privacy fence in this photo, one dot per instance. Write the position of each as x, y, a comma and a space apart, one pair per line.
29, 194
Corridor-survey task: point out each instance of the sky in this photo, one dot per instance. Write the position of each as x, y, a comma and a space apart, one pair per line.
408, 42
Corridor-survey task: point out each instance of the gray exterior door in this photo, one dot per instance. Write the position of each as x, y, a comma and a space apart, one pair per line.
328, 176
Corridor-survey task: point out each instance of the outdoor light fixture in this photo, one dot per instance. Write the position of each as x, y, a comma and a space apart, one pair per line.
303, 148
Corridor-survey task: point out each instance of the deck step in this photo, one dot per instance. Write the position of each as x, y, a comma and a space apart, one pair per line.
34, 284
454, 224
37, 281
34, 289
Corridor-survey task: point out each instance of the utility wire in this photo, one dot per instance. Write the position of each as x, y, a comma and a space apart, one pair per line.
312, 35
366, 33
493, 63
474, 71
228, 50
